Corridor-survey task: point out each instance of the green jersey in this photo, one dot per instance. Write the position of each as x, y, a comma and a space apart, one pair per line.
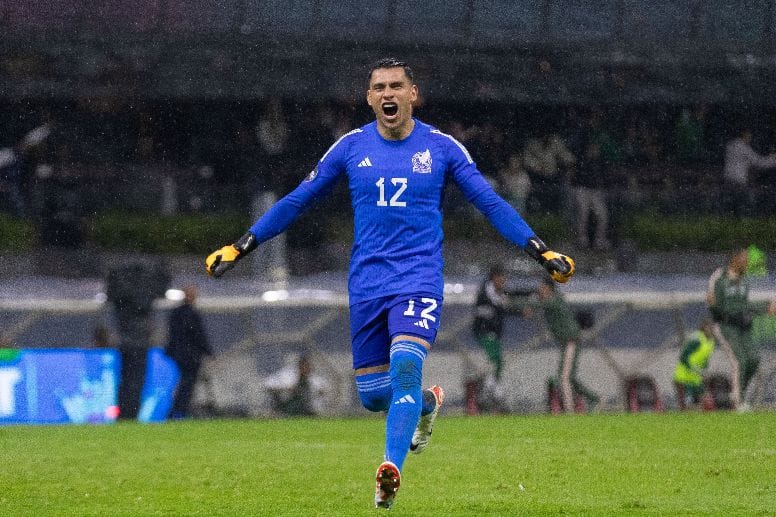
560, 318
728, 300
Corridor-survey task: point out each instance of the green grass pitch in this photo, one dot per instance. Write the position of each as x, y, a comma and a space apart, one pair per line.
624, 464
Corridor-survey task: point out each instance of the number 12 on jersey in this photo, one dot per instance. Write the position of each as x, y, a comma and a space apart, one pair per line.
401, 183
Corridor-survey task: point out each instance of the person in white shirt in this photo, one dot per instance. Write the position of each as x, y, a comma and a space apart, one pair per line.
546, 159
740, 159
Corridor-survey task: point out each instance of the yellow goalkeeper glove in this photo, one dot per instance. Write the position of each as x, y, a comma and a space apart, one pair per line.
224, 259
560, 267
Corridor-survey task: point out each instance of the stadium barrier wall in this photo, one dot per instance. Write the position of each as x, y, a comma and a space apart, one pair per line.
637, 332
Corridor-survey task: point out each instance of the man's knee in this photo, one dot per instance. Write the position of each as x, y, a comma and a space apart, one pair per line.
375, 391
375, 402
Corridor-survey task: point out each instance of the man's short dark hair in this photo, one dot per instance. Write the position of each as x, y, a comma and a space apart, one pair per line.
391, 62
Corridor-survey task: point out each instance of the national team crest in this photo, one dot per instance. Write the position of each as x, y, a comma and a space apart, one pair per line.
421, 162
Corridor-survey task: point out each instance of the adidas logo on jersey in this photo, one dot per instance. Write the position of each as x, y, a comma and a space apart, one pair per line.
422, 323
406, 399
365, 162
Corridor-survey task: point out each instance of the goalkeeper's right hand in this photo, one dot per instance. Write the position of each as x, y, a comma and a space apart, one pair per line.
221, 261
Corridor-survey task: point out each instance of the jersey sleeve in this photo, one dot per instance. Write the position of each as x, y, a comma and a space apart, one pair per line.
316, 185
501, 214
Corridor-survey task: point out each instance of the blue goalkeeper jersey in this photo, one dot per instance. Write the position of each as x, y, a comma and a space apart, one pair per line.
396, 190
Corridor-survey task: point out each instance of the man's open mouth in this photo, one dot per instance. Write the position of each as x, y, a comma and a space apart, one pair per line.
390, 108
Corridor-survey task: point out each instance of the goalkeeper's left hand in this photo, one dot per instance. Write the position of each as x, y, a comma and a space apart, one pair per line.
224, 259
560, 267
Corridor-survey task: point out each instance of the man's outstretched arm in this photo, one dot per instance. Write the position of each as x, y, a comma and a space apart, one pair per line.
274, 222
509, 224
503, 216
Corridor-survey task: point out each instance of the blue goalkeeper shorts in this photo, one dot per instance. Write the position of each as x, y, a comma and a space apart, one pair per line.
373, 323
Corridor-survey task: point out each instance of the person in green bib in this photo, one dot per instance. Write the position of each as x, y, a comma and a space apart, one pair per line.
693, 361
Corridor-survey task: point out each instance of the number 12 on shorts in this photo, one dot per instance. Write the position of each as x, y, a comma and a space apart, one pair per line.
430, 305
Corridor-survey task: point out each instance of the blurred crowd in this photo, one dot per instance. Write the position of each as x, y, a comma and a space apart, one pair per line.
61, 161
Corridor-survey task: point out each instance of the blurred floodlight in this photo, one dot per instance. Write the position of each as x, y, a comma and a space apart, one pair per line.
275, 296
174, 295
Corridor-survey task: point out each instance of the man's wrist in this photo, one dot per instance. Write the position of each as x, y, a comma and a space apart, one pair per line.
246, 244
535, 247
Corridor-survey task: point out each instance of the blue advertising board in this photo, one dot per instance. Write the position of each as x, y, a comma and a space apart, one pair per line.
78, 386
58, 386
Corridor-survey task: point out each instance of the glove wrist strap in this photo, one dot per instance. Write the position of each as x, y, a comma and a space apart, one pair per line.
535, 247
246, 244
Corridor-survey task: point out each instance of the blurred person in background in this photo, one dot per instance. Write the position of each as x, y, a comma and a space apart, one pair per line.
296, 390
188, 346
515, 182
272, 133
693, 361
12, 197
494, 302
396, 168
101, 337
639, 146
564, 327
547, 159
487, 143
589, 183
131, 290
690, 136
738, 194
728, 302
13, 167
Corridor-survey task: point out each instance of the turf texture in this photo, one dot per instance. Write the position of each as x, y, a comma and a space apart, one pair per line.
696, 463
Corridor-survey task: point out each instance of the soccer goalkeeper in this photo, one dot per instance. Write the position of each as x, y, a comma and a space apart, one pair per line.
396, 168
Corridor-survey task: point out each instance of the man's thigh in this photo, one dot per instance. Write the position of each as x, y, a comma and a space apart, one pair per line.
415, 315
374, 322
